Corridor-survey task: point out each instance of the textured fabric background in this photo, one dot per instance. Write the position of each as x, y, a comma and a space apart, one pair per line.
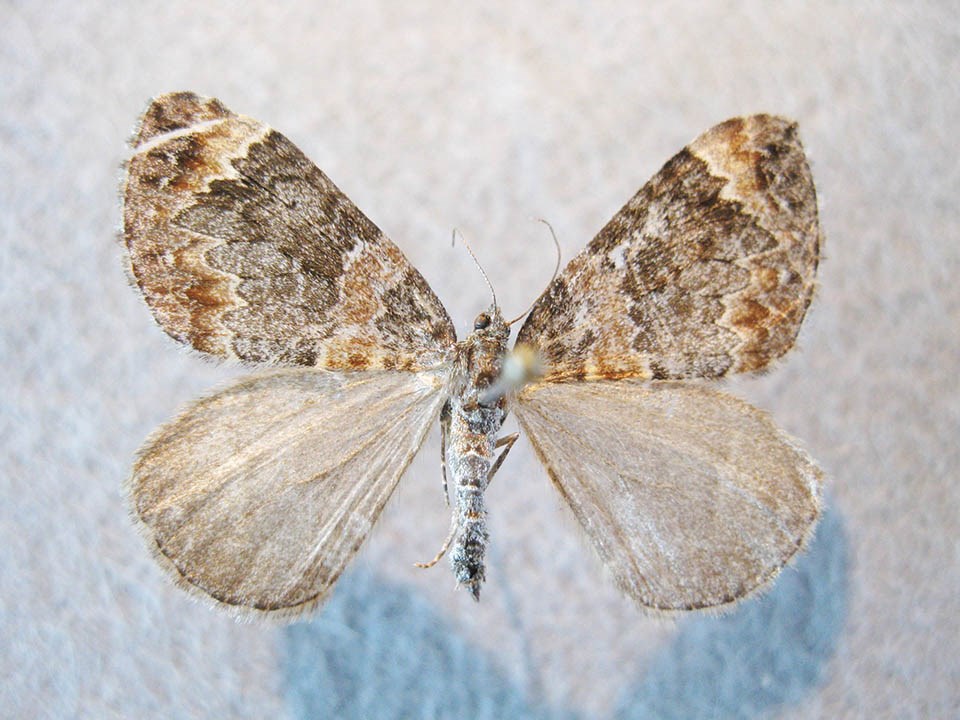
480, 118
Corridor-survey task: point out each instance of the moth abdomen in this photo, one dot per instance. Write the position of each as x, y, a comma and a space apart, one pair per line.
468, 554
467, 558
470, 456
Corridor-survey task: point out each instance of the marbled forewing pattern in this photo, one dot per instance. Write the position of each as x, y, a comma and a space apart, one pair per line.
244, 249
707, 270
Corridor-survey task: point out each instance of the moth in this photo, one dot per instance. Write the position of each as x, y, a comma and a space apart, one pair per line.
259, 495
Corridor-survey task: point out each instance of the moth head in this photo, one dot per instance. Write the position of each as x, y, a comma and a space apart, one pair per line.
490, 324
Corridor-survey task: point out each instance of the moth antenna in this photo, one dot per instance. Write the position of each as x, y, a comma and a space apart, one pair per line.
453, 241
556, 269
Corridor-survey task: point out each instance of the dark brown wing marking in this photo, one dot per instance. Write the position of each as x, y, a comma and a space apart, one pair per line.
707, 270
244, 249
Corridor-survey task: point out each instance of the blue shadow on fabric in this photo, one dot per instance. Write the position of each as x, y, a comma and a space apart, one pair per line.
769, 653
378, 651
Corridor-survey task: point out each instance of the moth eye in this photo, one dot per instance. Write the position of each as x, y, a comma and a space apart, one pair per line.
482, 322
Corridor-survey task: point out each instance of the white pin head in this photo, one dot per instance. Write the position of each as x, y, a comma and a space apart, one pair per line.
521, 366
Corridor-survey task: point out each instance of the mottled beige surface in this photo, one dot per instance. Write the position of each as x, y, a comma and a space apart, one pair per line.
479, 119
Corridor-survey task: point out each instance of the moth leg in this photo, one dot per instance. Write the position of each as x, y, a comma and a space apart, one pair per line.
443, 550
444, 429
507, 440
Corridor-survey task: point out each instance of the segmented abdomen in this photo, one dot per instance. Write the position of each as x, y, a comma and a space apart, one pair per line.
469, 458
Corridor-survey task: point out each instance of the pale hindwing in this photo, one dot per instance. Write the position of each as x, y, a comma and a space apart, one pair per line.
691, 497
261, 494
707, 270
244, 249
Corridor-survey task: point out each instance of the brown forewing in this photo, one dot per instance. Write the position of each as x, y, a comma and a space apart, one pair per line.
244, 249
707, 270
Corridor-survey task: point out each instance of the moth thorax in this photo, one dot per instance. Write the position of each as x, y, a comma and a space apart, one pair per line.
484, 350
487, 365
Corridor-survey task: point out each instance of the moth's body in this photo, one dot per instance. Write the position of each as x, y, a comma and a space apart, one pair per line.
470, 425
